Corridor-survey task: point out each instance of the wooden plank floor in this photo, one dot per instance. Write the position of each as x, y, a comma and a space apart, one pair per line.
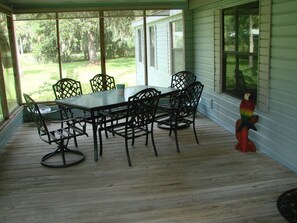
206, 183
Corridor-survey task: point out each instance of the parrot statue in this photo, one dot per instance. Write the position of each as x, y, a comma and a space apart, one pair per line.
246, 109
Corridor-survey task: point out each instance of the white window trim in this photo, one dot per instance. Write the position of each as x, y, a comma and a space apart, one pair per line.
264, 54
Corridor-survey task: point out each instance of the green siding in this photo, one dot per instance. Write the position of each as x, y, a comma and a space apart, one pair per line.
277, 131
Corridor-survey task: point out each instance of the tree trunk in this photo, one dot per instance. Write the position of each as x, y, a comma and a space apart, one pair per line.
92, 48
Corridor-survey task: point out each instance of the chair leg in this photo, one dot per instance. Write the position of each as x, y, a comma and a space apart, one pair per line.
153, 142
127, 152
75, 140
62, 150
146, 137
170, 129
133, 138
194, 128
106, 134
63, 154
100, 141
176, 138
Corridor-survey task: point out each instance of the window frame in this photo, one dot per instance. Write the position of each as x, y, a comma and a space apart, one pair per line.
9, 96
237, 53
174, 49
139, 38
152, 46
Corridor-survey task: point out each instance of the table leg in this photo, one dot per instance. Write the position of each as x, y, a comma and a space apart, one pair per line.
94, 127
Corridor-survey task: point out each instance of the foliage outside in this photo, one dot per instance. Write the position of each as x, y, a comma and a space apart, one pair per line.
79, 41
240, 53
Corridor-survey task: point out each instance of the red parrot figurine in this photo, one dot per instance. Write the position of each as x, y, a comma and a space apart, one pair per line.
246, 110
246, 122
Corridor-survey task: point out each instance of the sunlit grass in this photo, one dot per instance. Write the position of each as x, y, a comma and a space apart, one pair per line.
37, 79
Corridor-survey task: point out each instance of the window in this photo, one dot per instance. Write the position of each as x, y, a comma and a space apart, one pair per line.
139, 37
38, 55
79, 46
68, 44
177, 46
240, 49
8, 98
152, 33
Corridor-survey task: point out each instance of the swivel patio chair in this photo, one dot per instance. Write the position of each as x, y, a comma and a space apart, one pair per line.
66, 88
62, 156
180, 81
183, 106
139, 121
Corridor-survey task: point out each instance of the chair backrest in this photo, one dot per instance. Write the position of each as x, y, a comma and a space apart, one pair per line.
66, 88
189, 99
102, 82
182, 79
142, 106
37, 117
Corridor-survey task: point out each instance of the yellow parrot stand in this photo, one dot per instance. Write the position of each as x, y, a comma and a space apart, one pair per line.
244, 144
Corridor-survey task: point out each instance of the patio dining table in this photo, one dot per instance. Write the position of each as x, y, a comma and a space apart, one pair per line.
99, 101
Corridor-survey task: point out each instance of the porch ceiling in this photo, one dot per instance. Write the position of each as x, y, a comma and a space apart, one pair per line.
66, 5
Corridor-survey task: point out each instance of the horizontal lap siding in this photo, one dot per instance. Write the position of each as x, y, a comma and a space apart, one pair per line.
161, 74
282, 119
188, 38
211, 104
277, 126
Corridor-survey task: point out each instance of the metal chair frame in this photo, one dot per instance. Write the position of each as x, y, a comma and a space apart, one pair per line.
61, 136
65, 88
183, 106
102, 82
180, 81
139, 121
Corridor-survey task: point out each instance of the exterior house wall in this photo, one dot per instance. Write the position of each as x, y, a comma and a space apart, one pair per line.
277, 126
159, 75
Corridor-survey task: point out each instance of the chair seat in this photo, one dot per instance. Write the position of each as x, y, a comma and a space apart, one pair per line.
70, 129
166, 122
138, 121
62, 156
104, 82
180, 81
120, 129
183, 106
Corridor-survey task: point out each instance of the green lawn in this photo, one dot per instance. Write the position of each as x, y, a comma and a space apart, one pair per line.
37, 79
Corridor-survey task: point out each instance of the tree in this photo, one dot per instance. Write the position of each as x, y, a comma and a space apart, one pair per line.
79, 36
44, 40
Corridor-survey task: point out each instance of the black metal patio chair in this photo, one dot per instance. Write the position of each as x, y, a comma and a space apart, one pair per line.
62, 156
65, 88
180, 81
103, 82
183, 107
139, 121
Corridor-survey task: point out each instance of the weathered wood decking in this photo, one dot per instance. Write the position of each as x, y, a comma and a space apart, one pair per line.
206, 183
